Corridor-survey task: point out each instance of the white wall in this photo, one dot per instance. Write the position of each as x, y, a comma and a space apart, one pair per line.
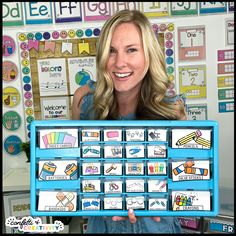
215, 40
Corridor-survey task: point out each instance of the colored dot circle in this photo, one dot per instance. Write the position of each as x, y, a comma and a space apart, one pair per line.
22, 37
96, 32
171, 77
26, 70
169, 44
63, 34
26, 79
170, 69
46, 35
169, 60
27, 87
29, 119
155, 27
30, 36
55, 35
23, 46
171, 27
25, 62
29, 111
71, 33
168, 36
162, 27
169, 52
88, 32
28, 95
38, 36
79, 33
28, 103
24, 54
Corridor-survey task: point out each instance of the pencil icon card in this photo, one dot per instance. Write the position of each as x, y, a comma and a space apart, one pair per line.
58, 138
191, 138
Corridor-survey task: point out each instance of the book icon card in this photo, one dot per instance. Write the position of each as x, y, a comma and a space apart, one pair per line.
190, 170
58, 138
191, 201
58, 170
57, 201
191, 138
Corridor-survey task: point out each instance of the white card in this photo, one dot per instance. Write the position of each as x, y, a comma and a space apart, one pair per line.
58, 170
191, 200
190, 170
57, 201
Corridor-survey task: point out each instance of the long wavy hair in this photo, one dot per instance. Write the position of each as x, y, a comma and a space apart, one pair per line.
151, 104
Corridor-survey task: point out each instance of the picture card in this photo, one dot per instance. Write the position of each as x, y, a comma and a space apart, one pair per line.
134, 134
190, 170
112, 135
113, 186
157, 168
58, 138
91, 185
58, 170
191, 200
113, 168
157, 134
135, 185
90, 204
191, 138
157, 185
135, 202
91, 168
111, 203
156, 151
134, 151
113, 151
57, 201
157, 204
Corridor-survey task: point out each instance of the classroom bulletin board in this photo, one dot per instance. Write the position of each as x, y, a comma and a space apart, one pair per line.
55, 63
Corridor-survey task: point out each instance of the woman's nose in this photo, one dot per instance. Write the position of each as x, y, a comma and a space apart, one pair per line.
120, 60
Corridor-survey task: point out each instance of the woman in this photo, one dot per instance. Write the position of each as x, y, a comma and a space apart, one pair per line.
131, 84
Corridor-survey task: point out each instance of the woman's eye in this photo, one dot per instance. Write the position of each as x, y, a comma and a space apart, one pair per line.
112, 50
132, 50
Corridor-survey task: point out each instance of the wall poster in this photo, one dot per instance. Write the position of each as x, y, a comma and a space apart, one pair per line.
192, 81
192, 43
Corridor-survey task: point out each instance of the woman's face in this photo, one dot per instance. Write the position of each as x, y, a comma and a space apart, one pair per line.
126, 62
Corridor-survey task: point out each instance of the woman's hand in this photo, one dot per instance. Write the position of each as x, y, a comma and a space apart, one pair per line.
132, 217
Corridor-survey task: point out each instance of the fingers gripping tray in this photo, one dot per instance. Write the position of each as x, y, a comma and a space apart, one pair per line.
104, 168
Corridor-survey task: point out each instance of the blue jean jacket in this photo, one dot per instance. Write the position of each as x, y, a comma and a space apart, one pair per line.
105, 225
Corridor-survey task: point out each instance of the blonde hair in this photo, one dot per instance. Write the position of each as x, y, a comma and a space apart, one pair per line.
151, 104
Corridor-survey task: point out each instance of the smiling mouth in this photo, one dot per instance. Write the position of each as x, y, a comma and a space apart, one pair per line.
122, 76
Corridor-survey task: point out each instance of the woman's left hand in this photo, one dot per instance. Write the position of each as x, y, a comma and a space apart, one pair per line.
132, 217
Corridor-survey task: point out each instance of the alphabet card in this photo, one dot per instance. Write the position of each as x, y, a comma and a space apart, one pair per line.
96, 10
58, 138
57, 201
191, 200
191, 138
192, 80
190, 170
12, 14
192, 43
